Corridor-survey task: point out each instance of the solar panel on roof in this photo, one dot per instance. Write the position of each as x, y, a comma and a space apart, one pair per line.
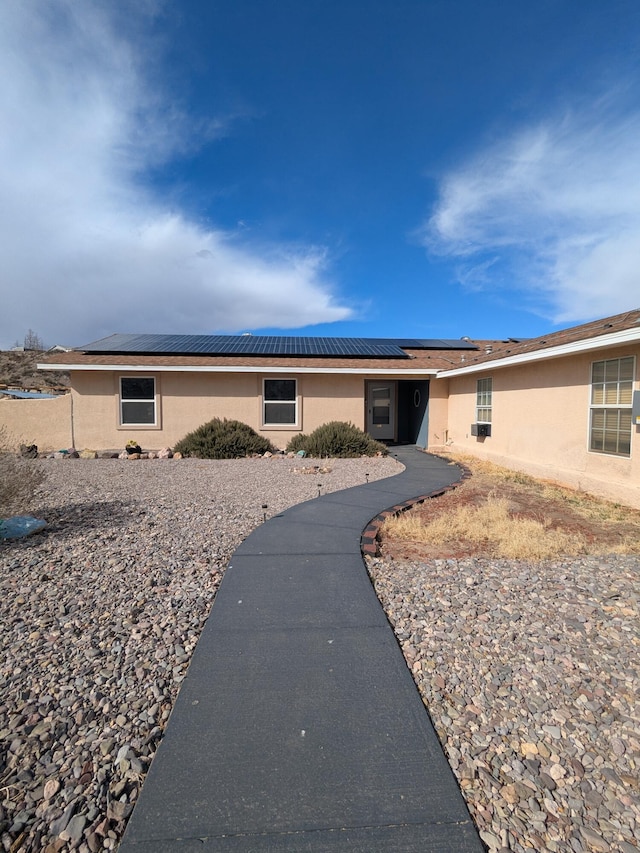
434, 343
262, 345
246, 345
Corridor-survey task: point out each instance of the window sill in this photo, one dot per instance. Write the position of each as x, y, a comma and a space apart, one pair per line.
290, 427
138, 427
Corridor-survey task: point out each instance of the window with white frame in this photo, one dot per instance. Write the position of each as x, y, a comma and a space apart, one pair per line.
137, 401
280, 402
611, 401
484, 394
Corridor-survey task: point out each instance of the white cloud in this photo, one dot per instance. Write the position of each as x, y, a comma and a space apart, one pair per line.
86, 249
551, 212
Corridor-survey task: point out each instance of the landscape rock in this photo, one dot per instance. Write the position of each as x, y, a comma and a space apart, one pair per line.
531, 675
100, 614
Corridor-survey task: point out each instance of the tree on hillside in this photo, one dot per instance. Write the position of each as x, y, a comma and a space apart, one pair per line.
33, 341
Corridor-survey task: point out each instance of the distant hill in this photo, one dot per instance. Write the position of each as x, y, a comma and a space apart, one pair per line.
18, 370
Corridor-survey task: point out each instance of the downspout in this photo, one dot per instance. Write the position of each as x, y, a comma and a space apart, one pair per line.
73, 436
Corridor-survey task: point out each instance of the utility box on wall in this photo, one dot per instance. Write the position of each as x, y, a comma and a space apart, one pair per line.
481, 430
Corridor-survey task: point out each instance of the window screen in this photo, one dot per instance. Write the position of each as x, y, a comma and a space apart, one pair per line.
280, 402
611, 399
138, 400
484, 395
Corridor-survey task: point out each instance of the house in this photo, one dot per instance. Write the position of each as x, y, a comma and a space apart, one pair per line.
564, 406
156, 388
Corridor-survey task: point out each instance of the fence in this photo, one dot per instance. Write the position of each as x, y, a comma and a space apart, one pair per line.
46, 423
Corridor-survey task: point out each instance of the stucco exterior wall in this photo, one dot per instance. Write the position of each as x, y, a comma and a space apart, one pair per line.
540, 425
332, 398
187, 400
438, 413
46, 423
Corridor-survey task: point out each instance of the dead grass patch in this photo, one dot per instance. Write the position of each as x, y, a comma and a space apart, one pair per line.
503, 513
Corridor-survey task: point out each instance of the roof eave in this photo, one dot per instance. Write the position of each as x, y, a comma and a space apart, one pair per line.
200, 368
615, 339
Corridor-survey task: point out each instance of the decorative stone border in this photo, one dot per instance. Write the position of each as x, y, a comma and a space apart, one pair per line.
370, 537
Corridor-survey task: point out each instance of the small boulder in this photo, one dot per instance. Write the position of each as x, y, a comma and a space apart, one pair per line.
19, 526
29, 451
88, 454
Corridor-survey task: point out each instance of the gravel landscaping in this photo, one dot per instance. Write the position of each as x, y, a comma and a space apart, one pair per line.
100, 614
531, 674
530, 671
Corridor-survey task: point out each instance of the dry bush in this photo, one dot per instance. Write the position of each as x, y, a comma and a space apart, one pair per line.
20, 479
337, 440
221, 438
489, 527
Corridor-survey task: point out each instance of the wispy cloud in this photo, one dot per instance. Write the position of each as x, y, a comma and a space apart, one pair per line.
550, 213
87, 248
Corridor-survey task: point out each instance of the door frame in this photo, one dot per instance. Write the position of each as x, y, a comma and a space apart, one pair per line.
413, 411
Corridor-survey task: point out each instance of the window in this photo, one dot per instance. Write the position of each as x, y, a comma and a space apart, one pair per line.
484, 393
381, 408
611, 399
137, 400
280, 402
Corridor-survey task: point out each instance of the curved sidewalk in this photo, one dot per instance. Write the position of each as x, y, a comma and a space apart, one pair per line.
298, 726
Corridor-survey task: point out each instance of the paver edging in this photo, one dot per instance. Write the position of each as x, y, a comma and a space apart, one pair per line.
370, 536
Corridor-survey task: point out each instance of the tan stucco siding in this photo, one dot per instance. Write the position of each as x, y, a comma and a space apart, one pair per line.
187, 400
46, 423
540, 424
332, 398
438, 413
95, 406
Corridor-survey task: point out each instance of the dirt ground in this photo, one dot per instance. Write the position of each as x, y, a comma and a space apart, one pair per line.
18, 370
604, 526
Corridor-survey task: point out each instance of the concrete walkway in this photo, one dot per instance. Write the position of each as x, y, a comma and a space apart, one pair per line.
298, 726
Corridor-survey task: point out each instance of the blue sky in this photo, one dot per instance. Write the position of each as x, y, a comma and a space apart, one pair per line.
436, 169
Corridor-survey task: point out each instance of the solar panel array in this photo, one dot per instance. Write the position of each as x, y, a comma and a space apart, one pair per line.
434, 343
265, 345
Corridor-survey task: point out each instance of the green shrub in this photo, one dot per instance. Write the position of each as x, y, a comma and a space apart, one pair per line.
298, 442
337, 439
223, 439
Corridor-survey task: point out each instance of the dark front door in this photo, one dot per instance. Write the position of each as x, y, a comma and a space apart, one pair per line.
381, 410
413, 411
